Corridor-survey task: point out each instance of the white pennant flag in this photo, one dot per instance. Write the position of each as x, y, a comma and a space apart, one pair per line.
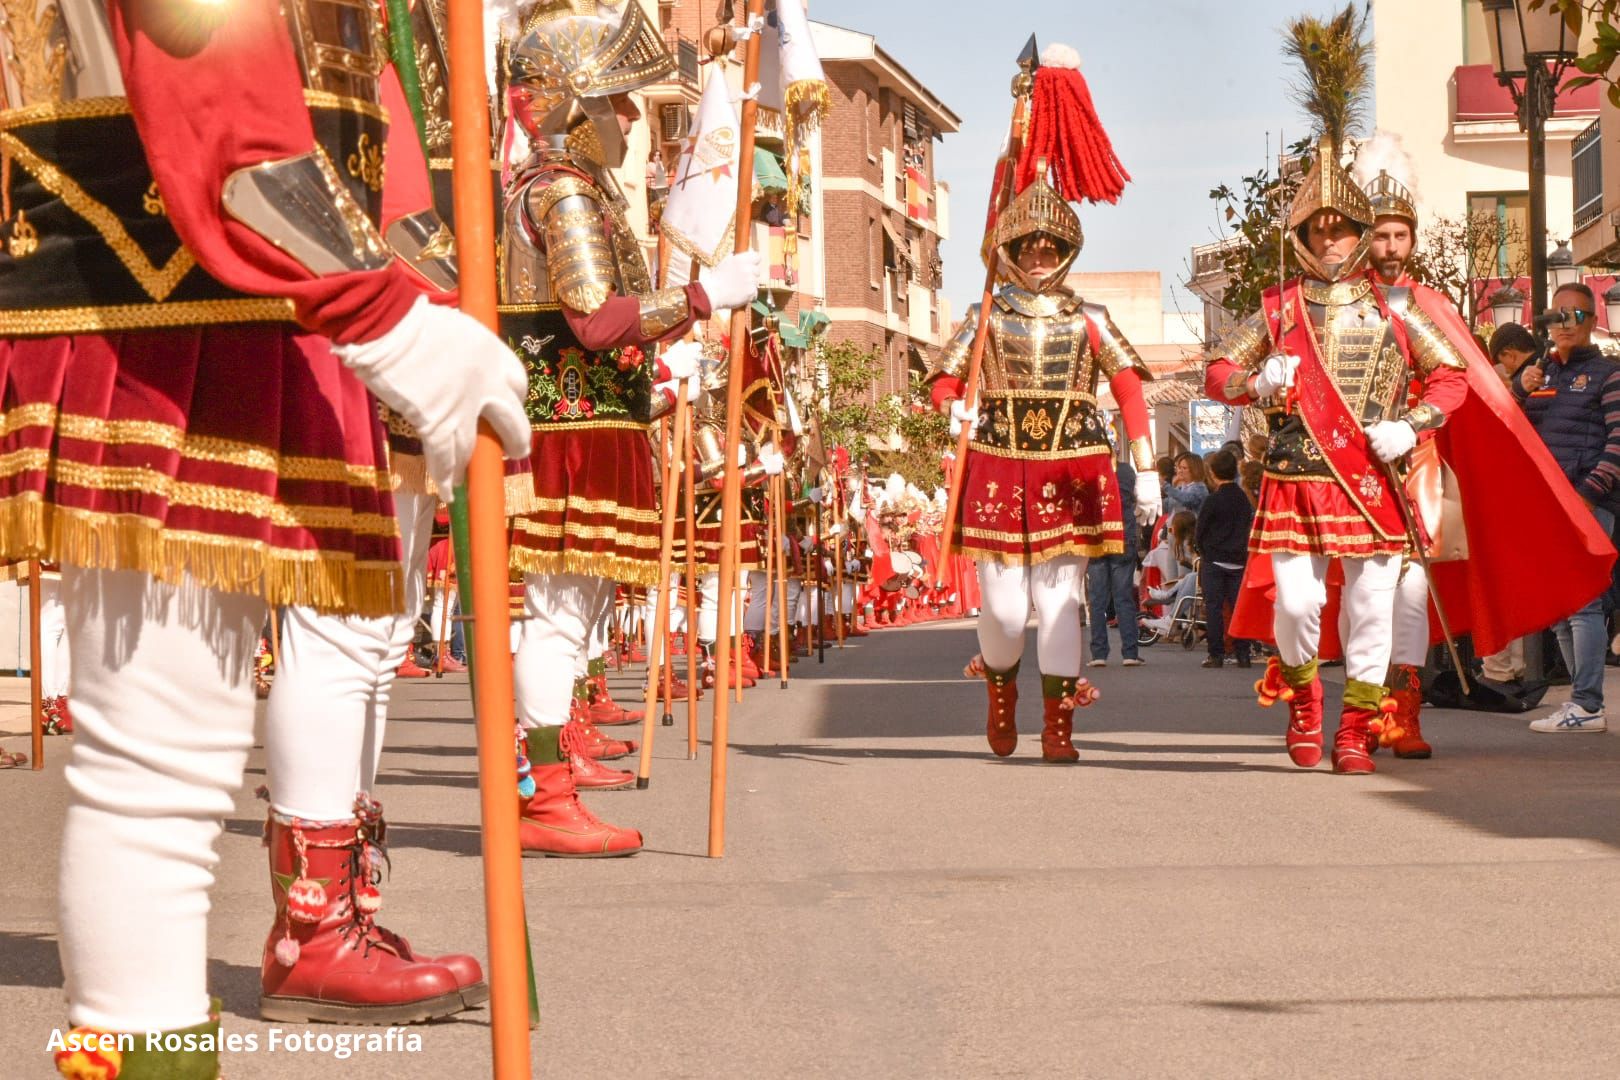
700, 216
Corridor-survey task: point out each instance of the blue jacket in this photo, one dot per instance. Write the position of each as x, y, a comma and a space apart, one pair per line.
1127, 506
1577, 414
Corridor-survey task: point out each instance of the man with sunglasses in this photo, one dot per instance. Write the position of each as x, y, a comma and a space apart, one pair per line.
1573, 401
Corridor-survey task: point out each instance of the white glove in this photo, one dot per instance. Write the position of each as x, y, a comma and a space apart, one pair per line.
691, 387
682, 359
1277, 373
815, 495
443, 371
1149, 501
733, 282
963, 417
772, 461
1391, 439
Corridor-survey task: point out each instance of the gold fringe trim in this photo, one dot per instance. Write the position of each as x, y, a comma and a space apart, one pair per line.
520, 496
641, 572
331, 582
80, 109
619, 537
410, 473
1006, 558
575, 504
1037, 455
325, 99
103, 320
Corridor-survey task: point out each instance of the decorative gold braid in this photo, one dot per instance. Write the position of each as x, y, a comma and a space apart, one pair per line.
640, 572
94, 320
325, 99
157, 283
50, 111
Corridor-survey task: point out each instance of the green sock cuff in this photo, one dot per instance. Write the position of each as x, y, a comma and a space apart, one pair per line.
177, 1064
545, 745
1363, 695
596, 667
1001, 678
1300, 676
582, 689
1058, 686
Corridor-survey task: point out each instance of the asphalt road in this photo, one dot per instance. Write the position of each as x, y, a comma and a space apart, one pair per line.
895, 903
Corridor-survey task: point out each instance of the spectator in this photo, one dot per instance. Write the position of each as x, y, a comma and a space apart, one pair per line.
1250, 473
1221, 538
1511, 346
1573, 401
1186, 490
1167, 470
1113, 577
1173, 558
1255, 447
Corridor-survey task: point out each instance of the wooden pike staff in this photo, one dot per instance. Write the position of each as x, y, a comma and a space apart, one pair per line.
779, 515
485, 492
731, 500
36, 673
1000, 194
658, 636
689, 496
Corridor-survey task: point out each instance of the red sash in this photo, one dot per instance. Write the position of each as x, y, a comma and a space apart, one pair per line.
1328, 418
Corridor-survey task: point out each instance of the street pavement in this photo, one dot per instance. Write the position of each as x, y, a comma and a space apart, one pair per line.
893, 902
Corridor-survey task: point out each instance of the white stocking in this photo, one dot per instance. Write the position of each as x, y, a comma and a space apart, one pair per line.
1301, 592
1411, 631
55, 668
560, 610
1369, 601
708, 607
754, 614
163, 720
1057, 587
1003, 614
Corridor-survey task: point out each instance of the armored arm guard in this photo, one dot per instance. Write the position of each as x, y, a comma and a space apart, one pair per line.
1240, 355
1441, 367
948, 374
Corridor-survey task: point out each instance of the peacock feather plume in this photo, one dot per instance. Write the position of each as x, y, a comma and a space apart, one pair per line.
1335, 57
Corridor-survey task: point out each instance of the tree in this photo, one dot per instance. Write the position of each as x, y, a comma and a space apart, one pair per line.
1458, 255
850, 410
1604, 18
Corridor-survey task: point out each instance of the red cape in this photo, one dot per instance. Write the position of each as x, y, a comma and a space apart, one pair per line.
1535, 552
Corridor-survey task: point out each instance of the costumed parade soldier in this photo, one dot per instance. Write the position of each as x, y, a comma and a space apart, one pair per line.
1350, 372
196, 302
579, 305
1038, 496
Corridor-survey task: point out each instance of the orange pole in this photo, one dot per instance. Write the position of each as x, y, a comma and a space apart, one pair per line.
657, 637
1000, 194
485, 493
779, 513
731, 502
689, 495
36, 695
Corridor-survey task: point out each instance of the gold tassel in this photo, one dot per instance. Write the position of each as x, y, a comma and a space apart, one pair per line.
635, 572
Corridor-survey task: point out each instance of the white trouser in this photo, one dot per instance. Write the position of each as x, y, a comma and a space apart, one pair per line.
806, 609
1410, 641
163, 721
677, 607
559, 611
1056, 588
754, 614
1367, 603
55, 669
328, 706
709, 607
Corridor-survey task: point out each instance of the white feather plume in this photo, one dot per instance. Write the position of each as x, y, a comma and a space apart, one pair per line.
1060, 56
1384, 152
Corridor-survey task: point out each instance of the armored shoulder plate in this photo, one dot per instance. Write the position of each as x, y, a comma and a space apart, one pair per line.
301, 206
1114, 353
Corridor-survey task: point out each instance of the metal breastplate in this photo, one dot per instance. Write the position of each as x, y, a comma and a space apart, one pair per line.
1038, 345
1358, 348
87, 245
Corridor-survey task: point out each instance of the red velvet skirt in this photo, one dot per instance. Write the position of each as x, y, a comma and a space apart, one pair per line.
243, 457
1020, 511
1314, 516
591, 507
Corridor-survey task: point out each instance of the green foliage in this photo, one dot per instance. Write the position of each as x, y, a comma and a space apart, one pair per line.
851, 409
1256, 213
1604, 18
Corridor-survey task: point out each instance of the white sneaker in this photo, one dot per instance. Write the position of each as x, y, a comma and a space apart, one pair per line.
1134, 661
1098, 663
1569, 717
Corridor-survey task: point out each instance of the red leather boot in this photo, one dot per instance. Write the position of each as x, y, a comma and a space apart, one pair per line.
1058, 697
588, 773
1301, 688
601, 709
1001, 726
1404, 729
677, 688
326, 959
598, 745
745, 658
553, 821
1367, 712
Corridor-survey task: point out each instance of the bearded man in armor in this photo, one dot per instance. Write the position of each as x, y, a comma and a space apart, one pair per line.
579, 306
1040, 497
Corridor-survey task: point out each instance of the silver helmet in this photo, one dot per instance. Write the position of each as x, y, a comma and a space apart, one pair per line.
571, 56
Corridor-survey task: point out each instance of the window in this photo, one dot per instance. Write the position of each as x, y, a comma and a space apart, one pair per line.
1499, 223
874, 255
1475, 33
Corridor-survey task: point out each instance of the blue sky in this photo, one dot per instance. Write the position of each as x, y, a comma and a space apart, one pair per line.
1187, 89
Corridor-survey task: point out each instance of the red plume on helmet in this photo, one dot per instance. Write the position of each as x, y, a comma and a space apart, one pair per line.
1064, 130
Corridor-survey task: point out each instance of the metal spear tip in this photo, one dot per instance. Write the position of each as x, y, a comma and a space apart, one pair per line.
1030, 58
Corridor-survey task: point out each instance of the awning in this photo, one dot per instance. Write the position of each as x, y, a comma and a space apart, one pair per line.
799, 337
768, 174
902, 247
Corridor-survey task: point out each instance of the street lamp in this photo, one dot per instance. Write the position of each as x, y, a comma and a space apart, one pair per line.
1530, 50
1507, 306
1561, 268
1611, 300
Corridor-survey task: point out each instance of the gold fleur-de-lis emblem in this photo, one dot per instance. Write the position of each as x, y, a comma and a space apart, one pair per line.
24, 239
1038, 425
152, 201
366, 163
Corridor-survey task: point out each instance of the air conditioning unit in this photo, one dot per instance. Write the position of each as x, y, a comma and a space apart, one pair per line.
673, 121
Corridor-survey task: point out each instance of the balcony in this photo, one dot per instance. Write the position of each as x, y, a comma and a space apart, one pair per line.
1586, 157
1482, 108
